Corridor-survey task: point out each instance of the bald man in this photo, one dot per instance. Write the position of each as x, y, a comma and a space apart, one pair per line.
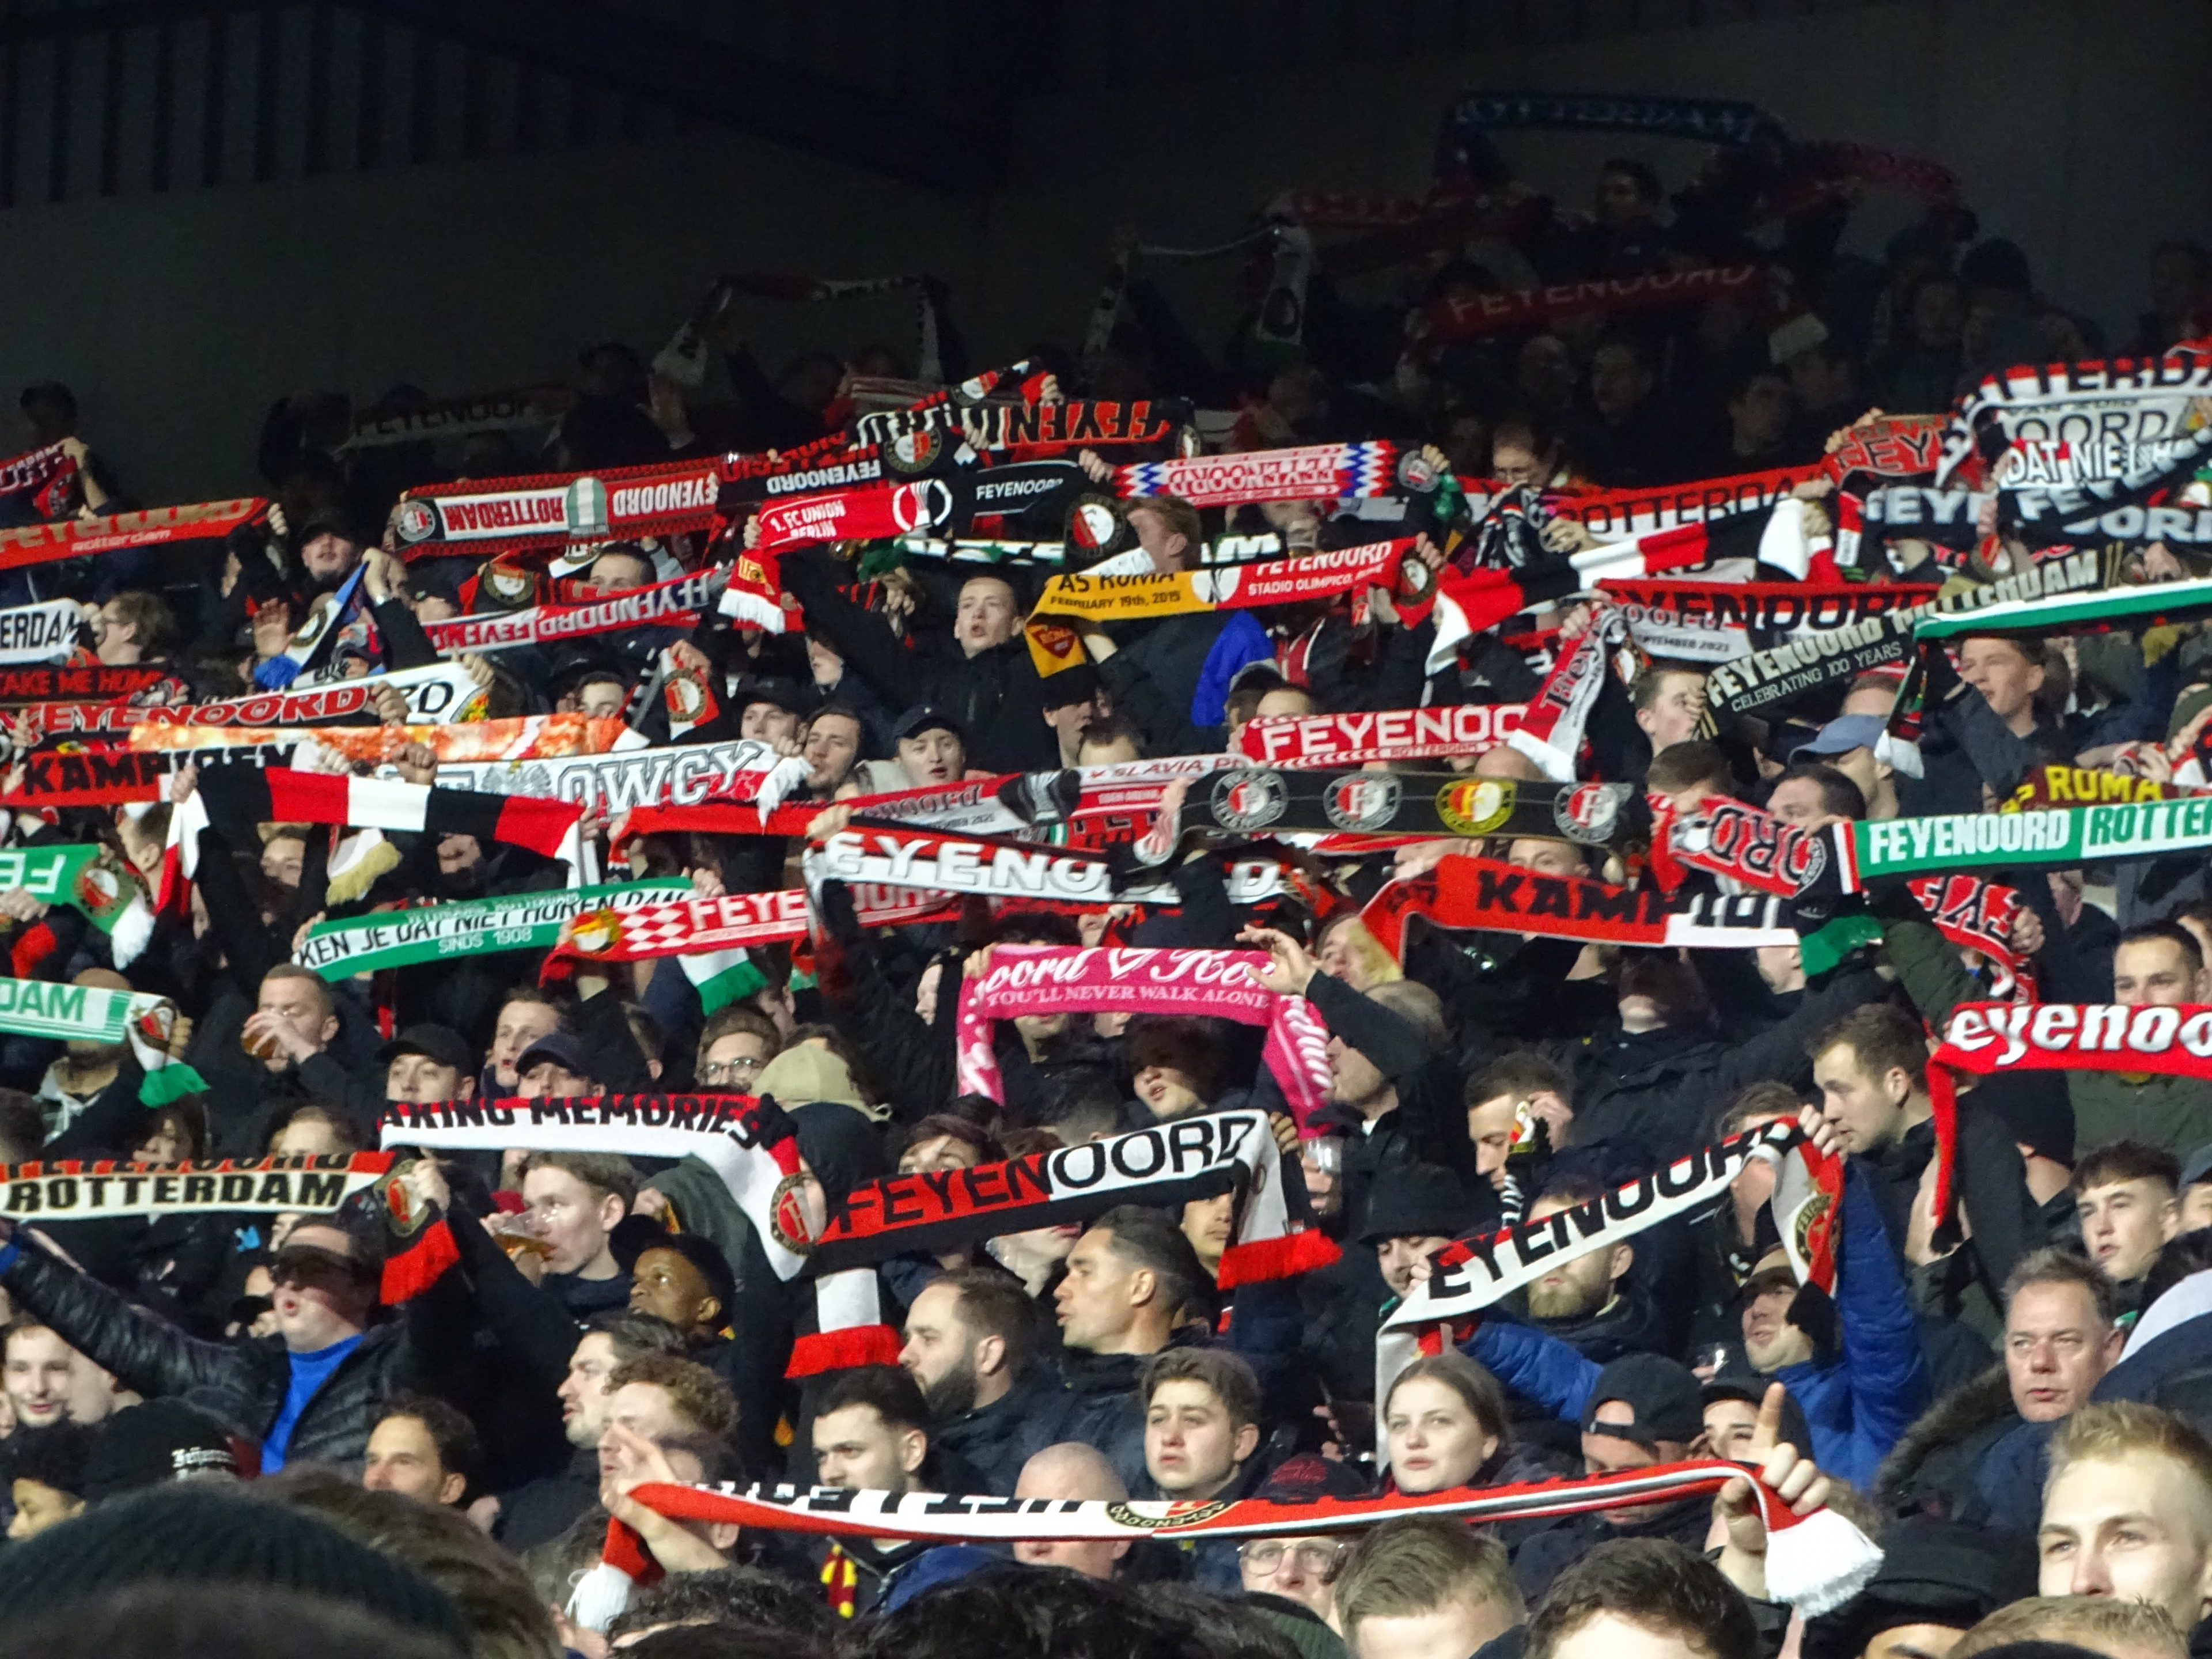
1073, 1470
74, 1082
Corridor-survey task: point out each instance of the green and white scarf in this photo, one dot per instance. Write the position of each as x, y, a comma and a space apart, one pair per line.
92, 880
517, 921
86, 1013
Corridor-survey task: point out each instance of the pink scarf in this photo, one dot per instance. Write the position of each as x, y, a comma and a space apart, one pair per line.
1071, 980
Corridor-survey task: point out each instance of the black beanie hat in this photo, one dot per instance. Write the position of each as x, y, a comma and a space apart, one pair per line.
205, 1534
153, 1443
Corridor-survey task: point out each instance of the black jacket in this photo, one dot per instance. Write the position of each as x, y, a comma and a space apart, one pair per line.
242, 1384
1658, 1089
988, 1439
1538, 1561
1991, 1182
540, 1511
1429, 1125
994, 694
1098, 1406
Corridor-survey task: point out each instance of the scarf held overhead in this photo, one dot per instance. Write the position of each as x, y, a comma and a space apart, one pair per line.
105, 1190
432, 932
1815, 1562
1462, 894
1162, 1167
77, 538
1392, 734
1068, 979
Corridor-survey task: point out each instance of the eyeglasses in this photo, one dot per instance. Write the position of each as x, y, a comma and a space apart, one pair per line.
1267, 1556
729, 1071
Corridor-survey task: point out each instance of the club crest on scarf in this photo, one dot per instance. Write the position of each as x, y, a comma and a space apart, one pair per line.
1360, 801
790, 1216
1190, 1512
1249, 801
1476, 807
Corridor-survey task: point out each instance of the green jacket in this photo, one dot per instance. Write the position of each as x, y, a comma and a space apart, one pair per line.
2171, 1112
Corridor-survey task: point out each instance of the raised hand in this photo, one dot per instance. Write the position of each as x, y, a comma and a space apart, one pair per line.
1290, 966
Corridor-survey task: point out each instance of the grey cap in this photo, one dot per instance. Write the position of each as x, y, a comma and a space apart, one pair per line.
1844, 733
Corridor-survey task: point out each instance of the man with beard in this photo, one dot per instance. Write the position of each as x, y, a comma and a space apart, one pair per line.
971, 1347
1588, 1302
1860, 1380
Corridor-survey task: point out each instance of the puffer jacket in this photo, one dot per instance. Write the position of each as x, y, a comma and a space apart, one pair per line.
1099, 1407
241, 1383
988, 1439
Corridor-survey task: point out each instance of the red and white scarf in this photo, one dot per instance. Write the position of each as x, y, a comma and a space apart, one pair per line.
1316, 471
77, 538
1452, 320
1815, 1562
741, 770
551, 508
1551, 731
1463, 894
675, 604
1390, 734
685, 926
242, 796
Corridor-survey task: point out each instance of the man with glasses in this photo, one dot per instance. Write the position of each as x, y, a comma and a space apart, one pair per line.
308, 1393
1301, 1570
738, 1043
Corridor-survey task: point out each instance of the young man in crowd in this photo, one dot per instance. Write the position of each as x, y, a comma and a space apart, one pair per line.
2128, 1510
2125, 1198
422, 1449
871, 1433
1131, 1281
1416, 1588
575, 1200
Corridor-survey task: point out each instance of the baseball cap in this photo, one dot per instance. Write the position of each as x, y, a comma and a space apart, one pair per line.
926, 717
1663, 1395
767, 689
331, 521
1844, 733
2197, 1167
438, 1043
563, 1048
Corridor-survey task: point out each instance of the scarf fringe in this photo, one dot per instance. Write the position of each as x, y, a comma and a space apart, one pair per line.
840, 1350
412, 1271
1282, 1257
